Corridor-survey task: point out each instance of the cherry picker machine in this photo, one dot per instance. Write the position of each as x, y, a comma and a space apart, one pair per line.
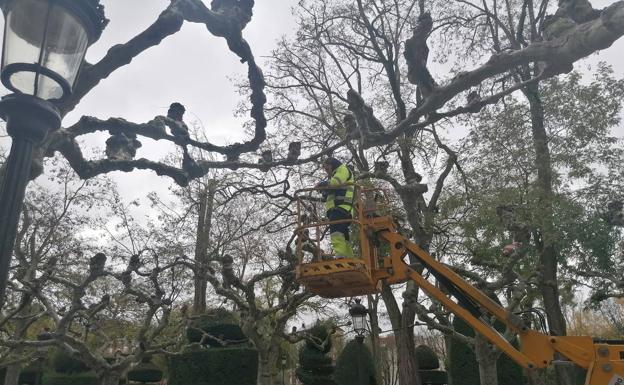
383, 250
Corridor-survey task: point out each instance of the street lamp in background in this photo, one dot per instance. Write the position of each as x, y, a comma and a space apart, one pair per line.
284, 362
44, 45
42, 352
359, 315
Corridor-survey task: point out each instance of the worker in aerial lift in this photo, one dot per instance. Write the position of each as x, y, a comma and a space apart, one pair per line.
339, 204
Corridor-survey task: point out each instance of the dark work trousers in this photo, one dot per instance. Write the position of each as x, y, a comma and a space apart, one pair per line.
340, 232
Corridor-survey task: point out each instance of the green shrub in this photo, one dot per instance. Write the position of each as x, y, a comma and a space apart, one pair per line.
355, 365
463, 366
224, 366
313, 358
320, 333
29, 375
315, 366
66, 364
145, 372
579, 373
427, 358
428, 365
88, 378
219, 323
434, 377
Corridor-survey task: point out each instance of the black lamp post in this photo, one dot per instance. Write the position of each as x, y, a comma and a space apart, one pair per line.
45, 42
359, 315
45, 335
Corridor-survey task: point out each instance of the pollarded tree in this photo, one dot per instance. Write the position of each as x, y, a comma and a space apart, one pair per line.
355, 365
48, 235
88, 309
245, 256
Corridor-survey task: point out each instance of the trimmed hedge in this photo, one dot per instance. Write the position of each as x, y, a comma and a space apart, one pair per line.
66, 364
435, 377
88, 378
355, 365
145, 372
224, 366
219, 323
29, 375
428, 364
427, 358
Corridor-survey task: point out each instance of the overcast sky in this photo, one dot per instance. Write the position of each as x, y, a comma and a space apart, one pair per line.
191, 67
196, 69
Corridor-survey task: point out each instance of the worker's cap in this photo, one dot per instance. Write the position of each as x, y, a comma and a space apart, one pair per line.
332, 162
177, 107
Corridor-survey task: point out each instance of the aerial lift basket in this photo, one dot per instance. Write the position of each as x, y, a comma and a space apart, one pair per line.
319, 270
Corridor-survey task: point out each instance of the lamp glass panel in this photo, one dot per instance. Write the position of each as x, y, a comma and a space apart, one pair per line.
359, 323
63, 52
24, 32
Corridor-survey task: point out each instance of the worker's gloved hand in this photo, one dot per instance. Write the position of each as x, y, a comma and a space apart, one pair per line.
322, 184
511, 248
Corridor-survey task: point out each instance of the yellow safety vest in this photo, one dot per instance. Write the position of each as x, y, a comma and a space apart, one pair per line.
341, 197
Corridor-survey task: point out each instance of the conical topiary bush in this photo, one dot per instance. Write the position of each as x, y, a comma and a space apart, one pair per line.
315, 364
355, 365
427, 358
220, 325
428, 367
225, 358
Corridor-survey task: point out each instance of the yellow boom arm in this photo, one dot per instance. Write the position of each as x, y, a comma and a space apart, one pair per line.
604, 360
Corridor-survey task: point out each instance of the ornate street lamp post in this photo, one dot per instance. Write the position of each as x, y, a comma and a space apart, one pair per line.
41, 354
359, 315
45, 42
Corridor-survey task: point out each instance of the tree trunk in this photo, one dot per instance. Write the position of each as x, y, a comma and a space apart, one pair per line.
266, 367
448, 341
404, 337
407, 364
12, 375
21, 326
549, 284
373, 302
110, 379
486, 358
204, 224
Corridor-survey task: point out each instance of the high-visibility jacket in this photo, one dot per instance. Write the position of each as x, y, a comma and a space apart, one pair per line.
340, 197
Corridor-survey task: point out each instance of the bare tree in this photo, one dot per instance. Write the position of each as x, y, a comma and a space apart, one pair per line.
52, 287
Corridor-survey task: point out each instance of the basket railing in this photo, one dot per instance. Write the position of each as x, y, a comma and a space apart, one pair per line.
312, 231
